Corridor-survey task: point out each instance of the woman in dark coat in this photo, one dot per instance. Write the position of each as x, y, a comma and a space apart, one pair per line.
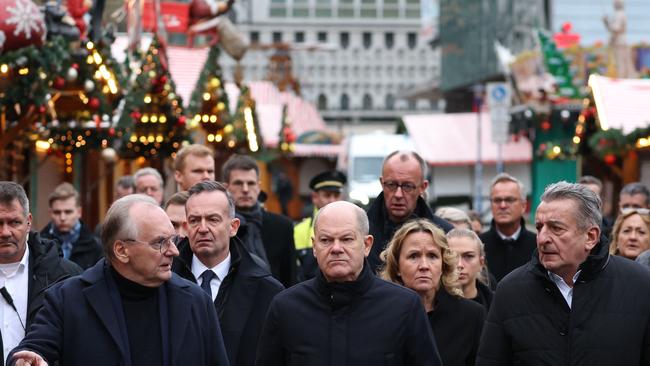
472, 269
418, 257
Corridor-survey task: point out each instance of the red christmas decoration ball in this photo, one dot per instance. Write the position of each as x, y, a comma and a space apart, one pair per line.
59, 82
182, 120
136, 115
111, 131
75, 66
42, 109
610, 159
93, 103
21, 24
546, 125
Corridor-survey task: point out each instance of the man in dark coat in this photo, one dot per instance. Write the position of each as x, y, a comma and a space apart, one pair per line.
29, 266
128, 309
403, 185
346, 315
240, 288
265, 234
573, 303
508, 244
76, 242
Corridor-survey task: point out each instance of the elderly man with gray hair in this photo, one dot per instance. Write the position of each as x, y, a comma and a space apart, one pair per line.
149, 181
573, 303
128, 309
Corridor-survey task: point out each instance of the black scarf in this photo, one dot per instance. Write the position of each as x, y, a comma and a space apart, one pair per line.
252, 223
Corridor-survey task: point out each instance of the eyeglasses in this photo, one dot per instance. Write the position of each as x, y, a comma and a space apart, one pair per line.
507, 200
407, 187
161, 245
632, 210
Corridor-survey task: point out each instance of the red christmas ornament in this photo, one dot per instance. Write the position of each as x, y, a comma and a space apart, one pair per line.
162, 80
42, 109
93, 103
59, 82
136, 115
111, 131
602, 142
546, 125
182, 120
75, 66
21, 25
610, 159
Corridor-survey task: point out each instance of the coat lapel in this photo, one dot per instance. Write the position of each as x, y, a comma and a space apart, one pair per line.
179, 313
103, 301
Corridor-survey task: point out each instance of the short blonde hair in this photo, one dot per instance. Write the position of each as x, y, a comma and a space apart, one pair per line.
613, 246
391, 254
454, 216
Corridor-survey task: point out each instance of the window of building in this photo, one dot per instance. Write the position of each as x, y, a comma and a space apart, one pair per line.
389, 40
278, 8
346, 8
345, 102
277, 37
367, 101
390, 102
344, 39
367, 40
299, 37
411, 40
254, 37
369, 8
321, 36
322, 102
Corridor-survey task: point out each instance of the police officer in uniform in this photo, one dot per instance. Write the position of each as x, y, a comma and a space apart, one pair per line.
326, 187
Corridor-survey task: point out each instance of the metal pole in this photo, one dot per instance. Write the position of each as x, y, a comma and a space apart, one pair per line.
478, 167
499, 158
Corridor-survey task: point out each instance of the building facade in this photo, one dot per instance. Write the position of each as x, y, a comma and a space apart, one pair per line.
355, 59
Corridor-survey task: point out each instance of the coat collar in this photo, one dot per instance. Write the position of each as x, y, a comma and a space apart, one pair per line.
377, 210
341, 294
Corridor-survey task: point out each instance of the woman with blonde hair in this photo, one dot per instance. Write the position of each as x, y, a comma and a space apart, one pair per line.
418, 257
631, 233
455, 216
473, 276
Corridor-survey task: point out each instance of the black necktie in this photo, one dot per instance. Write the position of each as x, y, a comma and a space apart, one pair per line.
207, 277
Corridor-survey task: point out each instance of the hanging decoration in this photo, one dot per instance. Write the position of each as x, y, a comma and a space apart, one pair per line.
209, 102
287, 136
153, 113
557, 65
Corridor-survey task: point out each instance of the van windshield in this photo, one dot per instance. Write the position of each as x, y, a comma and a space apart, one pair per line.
366, 169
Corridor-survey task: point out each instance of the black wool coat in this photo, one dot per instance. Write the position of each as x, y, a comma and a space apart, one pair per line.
243, 300
86, 251
364, 322
277, 237
503, 257
457, 324
530, 323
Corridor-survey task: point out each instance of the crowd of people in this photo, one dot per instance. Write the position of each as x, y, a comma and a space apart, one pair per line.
210, 277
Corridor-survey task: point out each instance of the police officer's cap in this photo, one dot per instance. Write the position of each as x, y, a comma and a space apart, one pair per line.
329, 181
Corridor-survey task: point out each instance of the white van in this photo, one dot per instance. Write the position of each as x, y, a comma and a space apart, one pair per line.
362, 159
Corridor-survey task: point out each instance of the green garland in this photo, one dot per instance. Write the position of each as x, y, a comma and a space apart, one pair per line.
613, 142
41, 64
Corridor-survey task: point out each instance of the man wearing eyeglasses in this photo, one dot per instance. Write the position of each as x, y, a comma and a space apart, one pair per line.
403, 185
508, 244
128, 309
215, 259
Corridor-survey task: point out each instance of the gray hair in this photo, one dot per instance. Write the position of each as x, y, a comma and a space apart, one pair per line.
587, 202
505, 177
363, 226
212, 186
126, 182
148, 171
119, 223
10, 191
403, 156
454, 215
644, 258
636, 188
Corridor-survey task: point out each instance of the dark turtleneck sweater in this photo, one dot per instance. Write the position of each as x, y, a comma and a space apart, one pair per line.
142, 316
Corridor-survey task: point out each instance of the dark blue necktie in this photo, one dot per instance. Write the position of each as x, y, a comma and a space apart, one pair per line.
207, 277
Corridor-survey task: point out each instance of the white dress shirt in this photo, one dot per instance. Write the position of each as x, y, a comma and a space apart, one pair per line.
565, 290
15, 278
514, 236
221, 270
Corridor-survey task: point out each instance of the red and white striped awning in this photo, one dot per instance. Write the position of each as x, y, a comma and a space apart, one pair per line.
621, 103
451, 139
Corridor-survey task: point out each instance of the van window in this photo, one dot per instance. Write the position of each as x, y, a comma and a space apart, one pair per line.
367, 169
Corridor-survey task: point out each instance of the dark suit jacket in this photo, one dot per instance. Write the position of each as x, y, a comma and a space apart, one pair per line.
277, 237
243, 300
82, 323
86, 251
503, 257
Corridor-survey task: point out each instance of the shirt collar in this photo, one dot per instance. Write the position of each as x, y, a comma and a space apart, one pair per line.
560, 281
514, 236
221, 269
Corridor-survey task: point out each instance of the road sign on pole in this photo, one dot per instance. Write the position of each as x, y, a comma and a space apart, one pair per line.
499, 96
